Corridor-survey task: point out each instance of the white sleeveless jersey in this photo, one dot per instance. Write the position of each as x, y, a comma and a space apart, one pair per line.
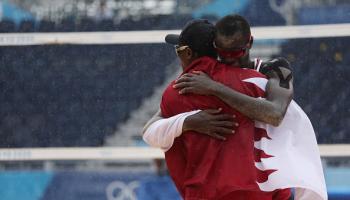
257, 64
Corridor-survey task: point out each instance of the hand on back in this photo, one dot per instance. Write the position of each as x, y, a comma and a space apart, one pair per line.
196, 82
211, 122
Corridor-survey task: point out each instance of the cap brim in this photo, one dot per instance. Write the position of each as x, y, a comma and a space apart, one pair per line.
172, 39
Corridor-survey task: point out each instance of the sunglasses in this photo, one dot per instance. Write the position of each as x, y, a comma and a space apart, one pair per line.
234, 52
179, 48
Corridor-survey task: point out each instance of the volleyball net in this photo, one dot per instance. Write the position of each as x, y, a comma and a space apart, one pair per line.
122, 153
157, 36
8, 40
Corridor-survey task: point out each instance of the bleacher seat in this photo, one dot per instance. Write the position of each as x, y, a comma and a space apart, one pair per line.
320, 82
74, 95
26, 26
106, 25
7, 26
46, 26
66, 25
86, 24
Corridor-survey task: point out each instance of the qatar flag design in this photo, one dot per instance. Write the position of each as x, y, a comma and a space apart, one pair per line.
288, 154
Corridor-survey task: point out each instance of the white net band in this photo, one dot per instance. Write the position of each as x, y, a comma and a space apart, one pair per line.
120, 153
134, 37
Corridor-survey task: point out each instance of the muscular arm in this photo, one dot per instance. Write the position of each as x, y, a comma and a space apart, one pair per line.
271, 110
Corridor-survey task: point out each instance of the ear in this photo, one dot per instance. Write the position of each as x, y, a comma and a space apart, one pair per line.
189, 53
251, 42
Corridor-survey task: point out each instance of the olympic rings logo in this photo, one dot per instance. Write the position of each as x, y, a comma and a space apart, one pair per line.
118, 190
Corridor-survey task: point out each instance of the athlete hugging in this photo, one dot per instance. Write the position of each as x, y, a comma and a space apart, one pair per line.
228, 124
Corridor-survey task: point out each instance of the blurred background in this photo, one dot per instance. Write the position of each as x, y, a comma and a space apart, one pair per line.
98, 95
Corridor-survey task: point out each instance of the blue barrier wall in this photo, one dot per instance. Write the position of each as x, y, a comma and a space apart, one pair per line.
99, 185
87, 185
23, 185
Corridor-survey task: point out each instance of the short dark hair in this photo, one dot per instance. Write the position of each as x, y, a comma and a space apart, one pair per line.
232, 24
199, 35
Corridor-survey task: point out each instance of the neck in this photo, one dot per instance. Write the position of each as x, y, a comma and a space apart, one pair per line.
247, 63
187, 64
251, 64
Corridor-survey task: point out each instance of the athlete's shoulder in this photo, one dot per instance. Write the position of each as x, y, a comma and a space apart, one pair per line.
279, 61
275, 64
254, 81
278, 68
204, 63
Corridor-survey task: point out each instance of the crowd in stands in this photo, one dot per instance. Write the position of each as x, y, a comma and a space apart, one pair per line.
155, 22
257, 12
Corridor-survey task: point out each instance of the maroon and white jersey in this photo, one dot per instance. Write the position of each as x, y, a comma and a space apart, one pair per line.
286, 156
206, 168
257, 64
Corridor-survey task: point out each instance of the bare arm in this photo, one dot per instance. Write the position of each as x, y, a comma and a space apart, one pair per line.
270, 110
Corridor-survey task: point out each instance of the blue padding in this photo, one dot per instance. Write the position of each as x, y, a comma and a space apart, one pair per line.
338, 183
338, 179
10, 11
221, 8
324, 15
157, 187
93, 185
18, 185
338, 196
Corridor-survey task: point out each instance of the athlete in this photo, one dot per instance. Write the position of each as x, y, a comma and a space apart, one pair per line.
202, 167
233, 42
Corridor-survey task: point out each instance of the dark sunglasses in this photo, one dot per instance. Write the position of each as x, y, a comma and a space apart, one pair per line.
179, 48
233, 53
